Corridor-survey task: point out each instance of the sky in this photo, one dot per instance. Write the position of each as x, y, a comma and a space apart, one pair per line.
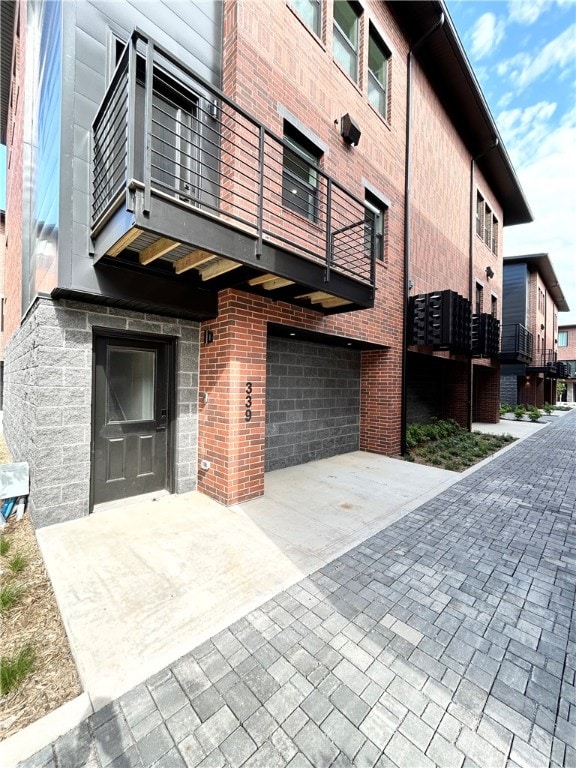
524, 55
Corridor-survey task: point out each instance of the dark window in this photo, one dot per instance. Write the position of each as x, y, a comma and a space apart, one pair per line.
174, 138
378, 56
300, 174
479, 215
346, 37
375, 217
563, 338
479, 299
309, 11
494, 308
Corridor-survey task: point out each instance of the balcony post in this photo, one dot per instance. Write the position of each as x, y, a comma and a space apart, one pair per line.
131, 127
148, 124
328, 230
261, 159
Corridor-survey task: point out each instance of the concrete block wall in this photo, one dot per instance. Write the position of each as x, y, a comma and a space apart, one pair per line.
312, 402
48, 400
509, 389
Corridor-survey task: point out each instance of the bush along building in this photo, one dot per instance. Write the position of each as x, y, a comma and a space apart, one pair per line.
529, 347
567, 362
242, 237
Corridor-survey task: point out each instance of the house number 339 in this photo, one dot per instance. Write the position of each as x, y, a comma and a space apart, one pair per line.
248, 401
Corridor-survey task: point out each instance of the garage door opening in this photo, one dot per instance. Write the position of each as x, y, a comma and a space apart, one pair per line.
312, 401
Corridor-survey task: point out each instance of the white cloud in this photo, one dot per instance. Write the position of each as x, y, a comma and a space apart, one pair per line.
528, 12
545, 159
486, 34
524, 69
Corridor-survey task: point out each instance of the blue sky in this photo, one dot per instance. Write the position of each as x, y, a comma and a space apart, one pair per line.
524, 55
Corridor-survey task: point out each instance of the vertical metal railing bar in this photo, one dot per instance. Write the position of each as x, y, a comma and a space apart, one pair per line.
329, 239
260, 217
148, 99
131, 121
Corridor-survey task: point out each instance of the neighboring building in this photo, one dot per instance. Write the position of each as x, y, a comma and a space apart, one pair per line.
2, 340
252, 235
532, 300
567, 357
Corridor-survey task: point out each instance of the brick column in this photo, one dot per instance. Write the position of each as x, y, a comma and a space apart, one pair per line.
487, 394
456, 393
232, 368
380, 398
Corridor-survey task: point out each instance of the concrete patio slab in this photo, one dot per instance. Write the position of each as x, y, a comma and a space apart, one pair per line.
140, 585
518, 429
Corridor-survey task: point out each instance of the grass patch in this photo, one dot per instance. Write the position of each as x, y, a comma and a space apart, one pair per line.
4, 545
18, 563
449, 446
13, 669
9, 595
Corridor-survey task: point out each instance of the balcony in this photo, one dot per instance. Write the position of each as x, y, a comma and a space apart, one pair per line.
485, 336
544, 362
185, 182
517, 344
440, 320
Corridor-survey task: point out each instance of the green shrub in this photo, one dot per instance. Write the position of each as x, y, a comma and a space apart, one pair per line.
547, 408
519, 412
534, 413
505, 408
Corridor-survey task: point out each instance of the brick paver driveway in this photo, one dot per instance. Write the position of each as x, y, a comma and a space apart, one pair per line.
446, 639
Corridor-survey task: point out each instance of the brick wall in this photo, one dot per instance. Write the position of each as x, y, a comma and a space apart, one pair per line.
14, 176
569, 352
312, 401
237, 356
48, 396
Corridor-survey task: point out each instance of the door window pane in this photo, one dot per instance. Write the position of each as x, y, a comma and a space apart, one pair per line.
130, 384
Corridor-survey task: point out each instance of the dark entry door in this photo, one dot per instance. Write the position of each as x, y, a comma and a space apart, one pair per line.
131, 417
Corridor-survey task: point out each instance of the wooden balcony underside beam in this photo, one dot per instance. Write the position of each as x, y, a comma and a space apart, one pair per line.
126, 240
161, 247
215, 268
193, 260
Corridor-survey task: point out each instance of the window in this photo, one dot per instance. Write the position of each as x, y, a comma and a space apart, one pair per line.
494, 307
309, 12
174, 131
562, 338
346, 37
479, 215
479, 299
299, 174
378, 56
375, 213
486, 224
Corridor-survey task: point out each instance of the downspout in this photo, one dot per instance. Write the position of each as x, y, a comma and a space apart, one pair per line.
473, 162
407, 190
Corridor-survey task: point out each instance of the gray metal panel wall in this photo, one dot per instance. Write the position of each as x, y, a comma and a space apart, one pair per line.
312, 402
191, 30
515, 294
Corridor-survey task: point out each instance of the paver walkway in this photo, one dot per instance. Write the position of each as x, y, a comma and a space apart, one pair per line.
446, 639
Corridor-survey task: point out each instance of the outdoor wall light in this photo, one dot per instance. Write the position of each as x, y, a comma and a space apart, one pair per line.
489, 272
349, 131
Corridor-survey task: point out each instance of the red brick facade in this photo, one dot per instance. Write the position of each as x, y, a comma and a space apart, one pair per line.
275, 66
14, 170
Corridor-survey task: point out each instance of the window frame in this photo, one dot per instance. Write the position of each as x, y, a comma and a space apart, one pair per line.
478, 298
300, 151
340, 35
379, 211
314, 5
563, 334
372, 81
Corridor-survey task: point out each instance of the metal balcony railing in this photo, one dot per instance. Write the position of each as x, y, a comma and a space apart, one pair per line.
545, 360
516, 342
163, 130
485, 335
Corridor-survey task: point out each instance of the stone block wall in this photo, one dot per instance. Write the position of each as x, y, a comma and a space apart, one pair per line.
48, 400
